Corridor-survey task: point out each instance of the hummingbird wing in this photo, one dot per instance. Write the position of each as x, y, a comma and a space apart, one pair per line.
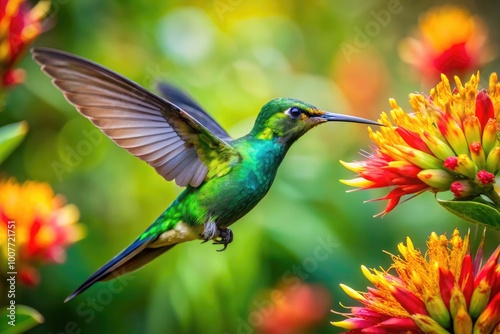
186, 103
153, 129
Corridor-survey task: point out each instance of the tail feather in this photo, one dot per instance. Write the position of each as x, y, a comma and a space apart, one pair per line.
147, 255
131, 258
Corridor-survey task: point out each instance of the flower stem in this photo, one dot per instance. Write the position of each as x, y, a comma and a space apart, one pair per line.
495, 198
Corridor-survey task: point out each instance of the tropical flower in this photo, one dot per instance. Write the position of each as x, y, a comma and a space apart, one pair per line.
19, 26
42, 225
293, 309
450, 40
445, 291
449, 142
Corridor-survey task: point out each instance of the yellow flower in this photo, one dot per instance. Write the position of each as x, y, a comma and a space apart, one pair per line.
445, 291
450, 41
40, 222
449, 142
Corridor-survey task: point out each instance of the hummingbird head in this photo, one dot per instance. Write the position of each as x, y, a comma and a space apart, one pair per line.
287, 119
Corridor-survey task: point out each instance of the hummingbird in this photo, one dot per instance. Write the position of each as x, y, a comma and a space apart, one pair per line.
224, 177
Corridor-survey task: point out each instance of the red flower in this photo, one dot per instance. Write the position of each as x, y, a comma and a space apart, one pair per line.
450, 41
445, 291
19, 26
293, 309
449, 142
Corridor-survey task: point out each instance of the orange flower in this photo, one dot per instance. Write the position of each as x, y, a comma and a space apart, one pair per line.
449, 142
292, 309
19, 26
447, 291
368, 70
42, 224
450, 41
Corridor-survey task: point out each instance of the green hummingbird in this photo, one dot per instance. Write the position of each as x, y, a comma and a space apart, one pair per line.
224, 177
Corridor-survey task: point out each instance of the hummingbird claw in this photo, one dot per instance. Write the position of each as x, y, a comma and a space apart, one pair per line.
224, 238
220, 235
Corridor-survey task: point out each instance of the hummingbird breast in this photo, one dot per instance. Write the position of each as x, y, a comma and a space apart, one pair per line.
233, 195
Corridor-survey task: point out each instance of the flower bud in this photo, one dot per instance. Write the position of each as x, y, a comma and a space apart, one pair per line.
440, 149
480, 298
449, 127
436, 178
437, 310
490, 136
493, 161
451, 163
428, 325
419, 158
463, 188
457, 301
472, 129
410, 302
477, 155
484, 108
462, 322
489, 317
466, 166
485, 178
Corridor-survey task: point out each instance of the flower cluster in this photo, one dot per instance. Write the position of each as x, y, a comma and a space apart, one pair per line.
447, 291
19, 26
449, 142
43, 225
450, 40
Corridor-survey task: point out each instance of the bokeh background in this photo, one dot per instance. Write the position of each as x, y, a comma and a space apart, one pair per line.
282, 272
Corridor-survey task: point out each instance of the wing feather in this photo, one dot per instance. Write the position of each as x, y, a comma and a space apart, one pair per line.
200, 173
186, 103
179, 145
188, 172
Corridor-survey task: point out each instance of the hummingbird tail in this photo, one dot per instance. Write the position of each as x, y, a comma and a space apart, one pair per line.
131, 258
136, 262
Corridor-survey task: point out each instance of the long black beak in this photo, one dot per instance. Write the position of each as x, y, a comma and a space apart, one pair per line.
331, 117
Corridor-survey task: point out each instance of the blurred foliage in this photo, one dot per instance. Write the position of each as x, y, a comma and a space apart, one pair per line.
25, 319
232, 56
11, 136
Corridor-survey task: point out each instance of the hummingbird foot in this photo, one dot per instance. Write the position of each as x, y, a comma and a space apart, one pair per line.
225, 237
220, 235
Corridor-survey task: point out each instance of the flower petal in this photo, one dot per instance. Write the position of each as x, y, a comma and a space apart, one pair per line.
484, 108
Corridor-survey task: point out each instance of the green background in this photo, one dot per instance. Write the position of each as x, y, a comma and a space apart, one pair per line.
232, 56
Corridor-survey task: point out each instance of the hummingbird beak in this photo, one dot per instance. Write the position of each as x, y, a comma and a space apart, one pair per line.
331, 117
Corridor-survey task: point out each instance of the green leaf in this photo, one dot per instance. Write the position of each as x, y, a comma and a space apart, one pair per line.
477, 211
25, 319
10, 136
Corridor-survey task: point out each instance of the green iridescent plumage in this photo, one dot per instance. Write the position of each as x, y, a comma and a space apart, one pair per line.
225, 177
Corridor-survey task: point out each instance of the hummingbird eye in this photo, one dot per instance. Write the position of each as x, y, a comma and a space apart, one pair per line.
294, 112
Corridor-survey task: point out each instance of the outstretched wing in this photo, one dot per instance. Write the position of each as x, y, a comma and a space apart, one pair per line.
186, 103
153, 129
